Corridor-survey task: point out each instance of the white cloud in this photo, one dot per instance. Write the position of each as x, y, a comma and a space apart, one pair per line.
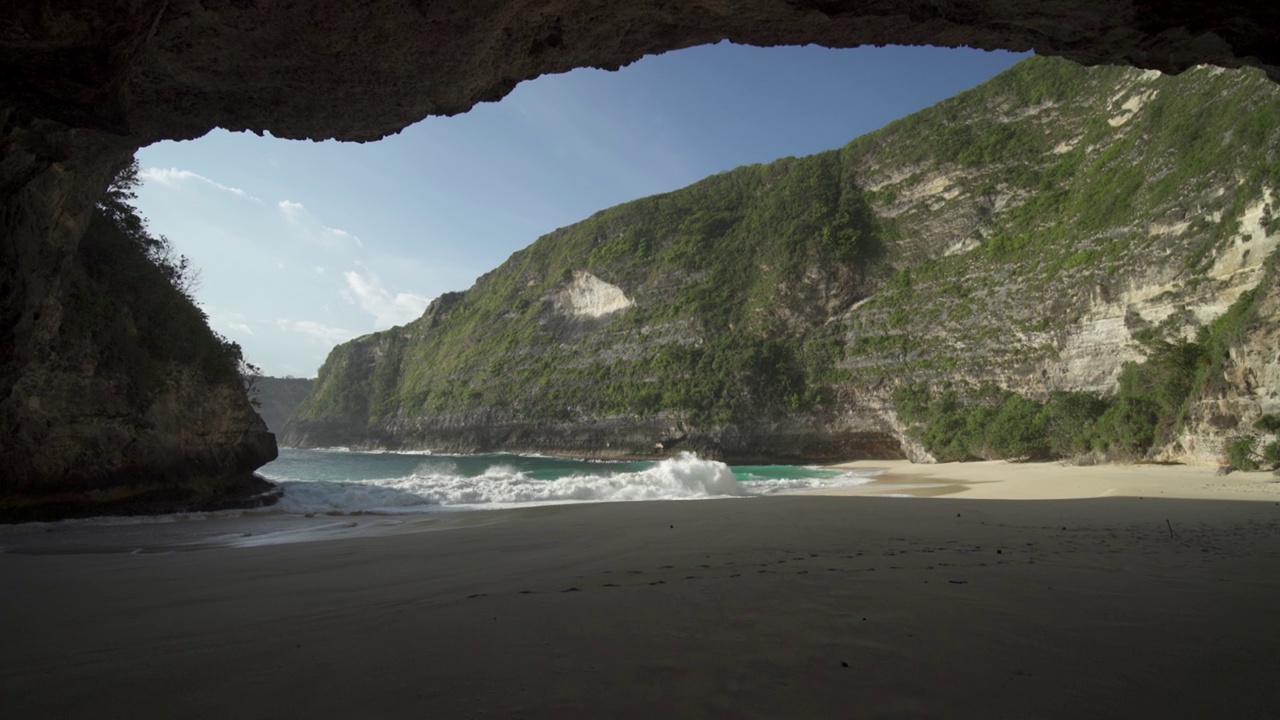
342, 235
387, 309
310, 229
317, 270
240, 327
174, 176
320, 331
291, 210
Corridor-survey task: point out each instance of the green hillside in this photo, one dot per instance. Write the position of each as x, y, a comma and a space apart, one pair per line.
965, 242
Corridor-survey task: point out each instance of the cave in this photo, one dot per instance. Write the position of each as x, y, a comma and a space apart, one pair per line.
86, 84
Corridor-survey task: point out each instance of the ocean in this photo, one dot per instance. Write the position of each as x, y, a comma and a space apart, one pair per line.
339, 481
337, 493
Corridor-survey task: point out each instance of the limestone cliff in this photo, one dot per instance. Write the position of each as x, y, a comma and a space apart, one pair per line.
1028, 233
1248, 387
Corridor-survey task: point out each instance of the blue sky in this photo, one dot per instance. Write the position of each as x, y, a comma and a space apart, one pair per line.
303, 245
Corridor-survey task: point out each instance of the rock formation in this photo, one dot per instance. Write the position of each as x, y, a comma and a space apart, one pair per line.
1034, 233
82, 85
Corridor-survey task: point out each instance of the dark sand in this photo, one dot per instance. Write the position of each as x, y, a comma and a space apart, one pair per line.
779, 607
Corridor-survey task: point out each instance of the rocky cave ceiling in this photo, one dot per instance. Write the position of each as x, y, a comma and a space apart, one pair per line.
145, 70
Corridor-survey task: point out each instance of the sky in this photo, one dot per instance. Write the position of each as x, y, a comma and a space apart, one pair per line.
303, 245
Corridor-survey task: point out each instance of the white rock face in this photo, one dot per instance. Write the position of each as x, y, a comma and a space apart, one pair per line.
1065, 147
1094, 352
1250, 248
589, 296
1130, 108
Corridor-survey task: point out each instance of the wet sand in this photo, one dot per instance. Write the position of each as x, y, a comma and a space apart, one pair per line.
876, 607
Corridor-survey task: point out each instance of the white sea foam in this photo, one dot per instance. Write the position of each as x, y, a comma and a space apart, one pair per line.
501, 485
774, 486
434, 487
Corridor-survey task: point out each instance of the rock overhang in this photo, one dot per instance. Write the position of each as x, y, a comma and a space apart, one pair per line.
148, 70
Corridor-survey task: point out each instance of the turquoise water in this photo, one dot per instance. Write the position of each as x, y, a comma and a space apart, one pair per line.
341, 481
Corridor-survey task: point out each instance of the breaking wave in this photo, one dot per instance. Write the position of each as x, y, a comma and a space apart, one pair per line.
439, 485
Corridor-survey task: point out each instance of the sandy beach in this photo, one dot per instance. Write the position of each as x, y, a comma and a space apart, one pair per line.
1005, 480
1149, 592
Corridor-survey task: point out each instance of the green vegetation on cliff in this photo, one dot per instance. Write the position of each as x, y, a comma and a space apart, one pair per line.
707, 265
126, 402
1148, 409
964, 243
131, 296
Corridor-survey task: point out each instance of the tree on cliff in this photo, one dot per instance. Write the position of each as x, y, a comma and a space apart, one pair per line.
117, 208
135, 299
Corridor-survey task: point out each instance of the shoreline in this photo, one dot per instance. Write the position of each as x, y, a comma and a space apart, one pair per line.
984, 480
1006, 480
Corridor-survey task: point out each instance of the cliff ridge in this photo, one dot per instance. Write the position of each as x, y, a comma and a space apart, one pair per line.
1034, 234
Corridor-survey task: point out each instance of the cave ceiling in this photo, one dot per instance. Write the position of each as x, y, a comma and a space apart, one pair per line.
146, 70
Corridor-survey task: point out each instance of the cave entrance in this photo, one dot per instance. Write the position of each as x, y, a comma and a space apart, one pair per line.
304, 245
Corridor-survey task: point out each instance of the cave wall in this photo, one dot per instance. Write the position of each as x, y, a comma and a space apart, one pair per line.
83, 84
